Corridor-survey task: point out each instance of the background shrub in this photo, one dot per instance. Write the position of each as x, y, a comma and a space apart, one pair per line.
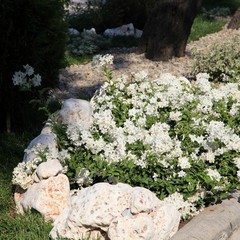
232, 4
221, 61
32, 32
87, 44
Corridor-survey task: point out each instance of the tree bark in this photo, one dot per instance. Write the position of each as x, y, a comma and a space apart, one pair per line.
167, 29
235, 21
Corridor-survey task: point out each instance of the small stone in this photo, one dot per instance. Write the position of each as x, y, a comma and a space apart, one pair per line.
49, 169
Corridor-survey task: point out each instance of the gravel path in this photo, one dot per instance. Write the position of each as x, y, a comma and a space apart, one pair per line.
82, 80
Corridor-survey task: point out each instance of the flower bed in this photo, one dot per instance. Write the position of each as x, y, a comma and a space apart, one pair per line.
177, 138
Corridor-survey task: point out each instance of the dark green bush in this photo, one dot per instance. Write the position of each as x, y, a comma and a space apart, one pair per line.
32, 32
232, 4
221, 61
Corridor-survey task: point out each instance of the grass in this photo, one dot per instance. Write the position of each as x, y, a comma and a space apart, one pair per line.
71, 59
203, 26
31, 226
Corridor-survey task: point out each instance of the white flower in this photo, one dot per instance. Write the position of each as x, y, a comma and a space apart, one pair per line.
183, 163
19, 78
155, 176
186, 208
202, 82
102, 60
181, 174
140, 76
22, 173
214, 174
175, 116
26, 79
237, 162
208, 156
36, 80
29, 69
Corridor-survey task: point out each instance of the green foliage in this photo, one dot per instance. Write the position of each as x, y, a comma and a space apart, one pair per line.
125, 143
71, 59
124, 41
217, 12
221, 61
203, 25
32, 32
14, 227
87, 44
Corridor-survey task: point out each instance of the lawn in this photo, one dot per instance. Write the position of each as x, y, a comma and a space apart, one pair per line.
16, 227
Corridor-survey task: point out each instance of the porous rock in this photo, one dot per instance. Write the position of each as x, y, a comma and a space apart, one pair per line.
49, 196
76, 112
107, 210
44, 141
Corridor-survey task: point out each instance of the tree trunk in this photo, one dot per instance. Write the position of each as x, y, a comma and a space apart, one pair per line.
167, 29
235, 21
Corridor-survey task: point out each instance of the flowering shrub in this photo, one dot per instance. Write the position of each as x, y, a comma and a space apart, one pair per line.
26, 79
23, 173
178, 139
87, 44
222, 61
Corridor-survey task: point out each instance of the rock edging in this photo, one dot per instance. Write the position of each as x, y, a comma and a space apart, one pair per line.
217, 222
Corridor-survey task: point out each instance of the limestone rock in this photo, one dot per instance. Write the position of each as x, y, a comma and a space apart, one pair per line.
48, 169
124, 30
159, 224
76, 112
49, 196
73, 32
91, 31
116, 212
41, 143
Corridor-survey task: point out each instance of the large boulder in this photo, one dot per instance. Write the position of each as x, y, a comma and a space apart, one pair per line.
76, 112
48, 196
49, 192
116, 212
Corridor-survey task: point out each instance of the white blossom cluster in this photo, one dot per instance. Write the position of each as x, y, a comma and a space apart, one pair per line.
185, 207
178, 122
102, 60
22, 174
26, 79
